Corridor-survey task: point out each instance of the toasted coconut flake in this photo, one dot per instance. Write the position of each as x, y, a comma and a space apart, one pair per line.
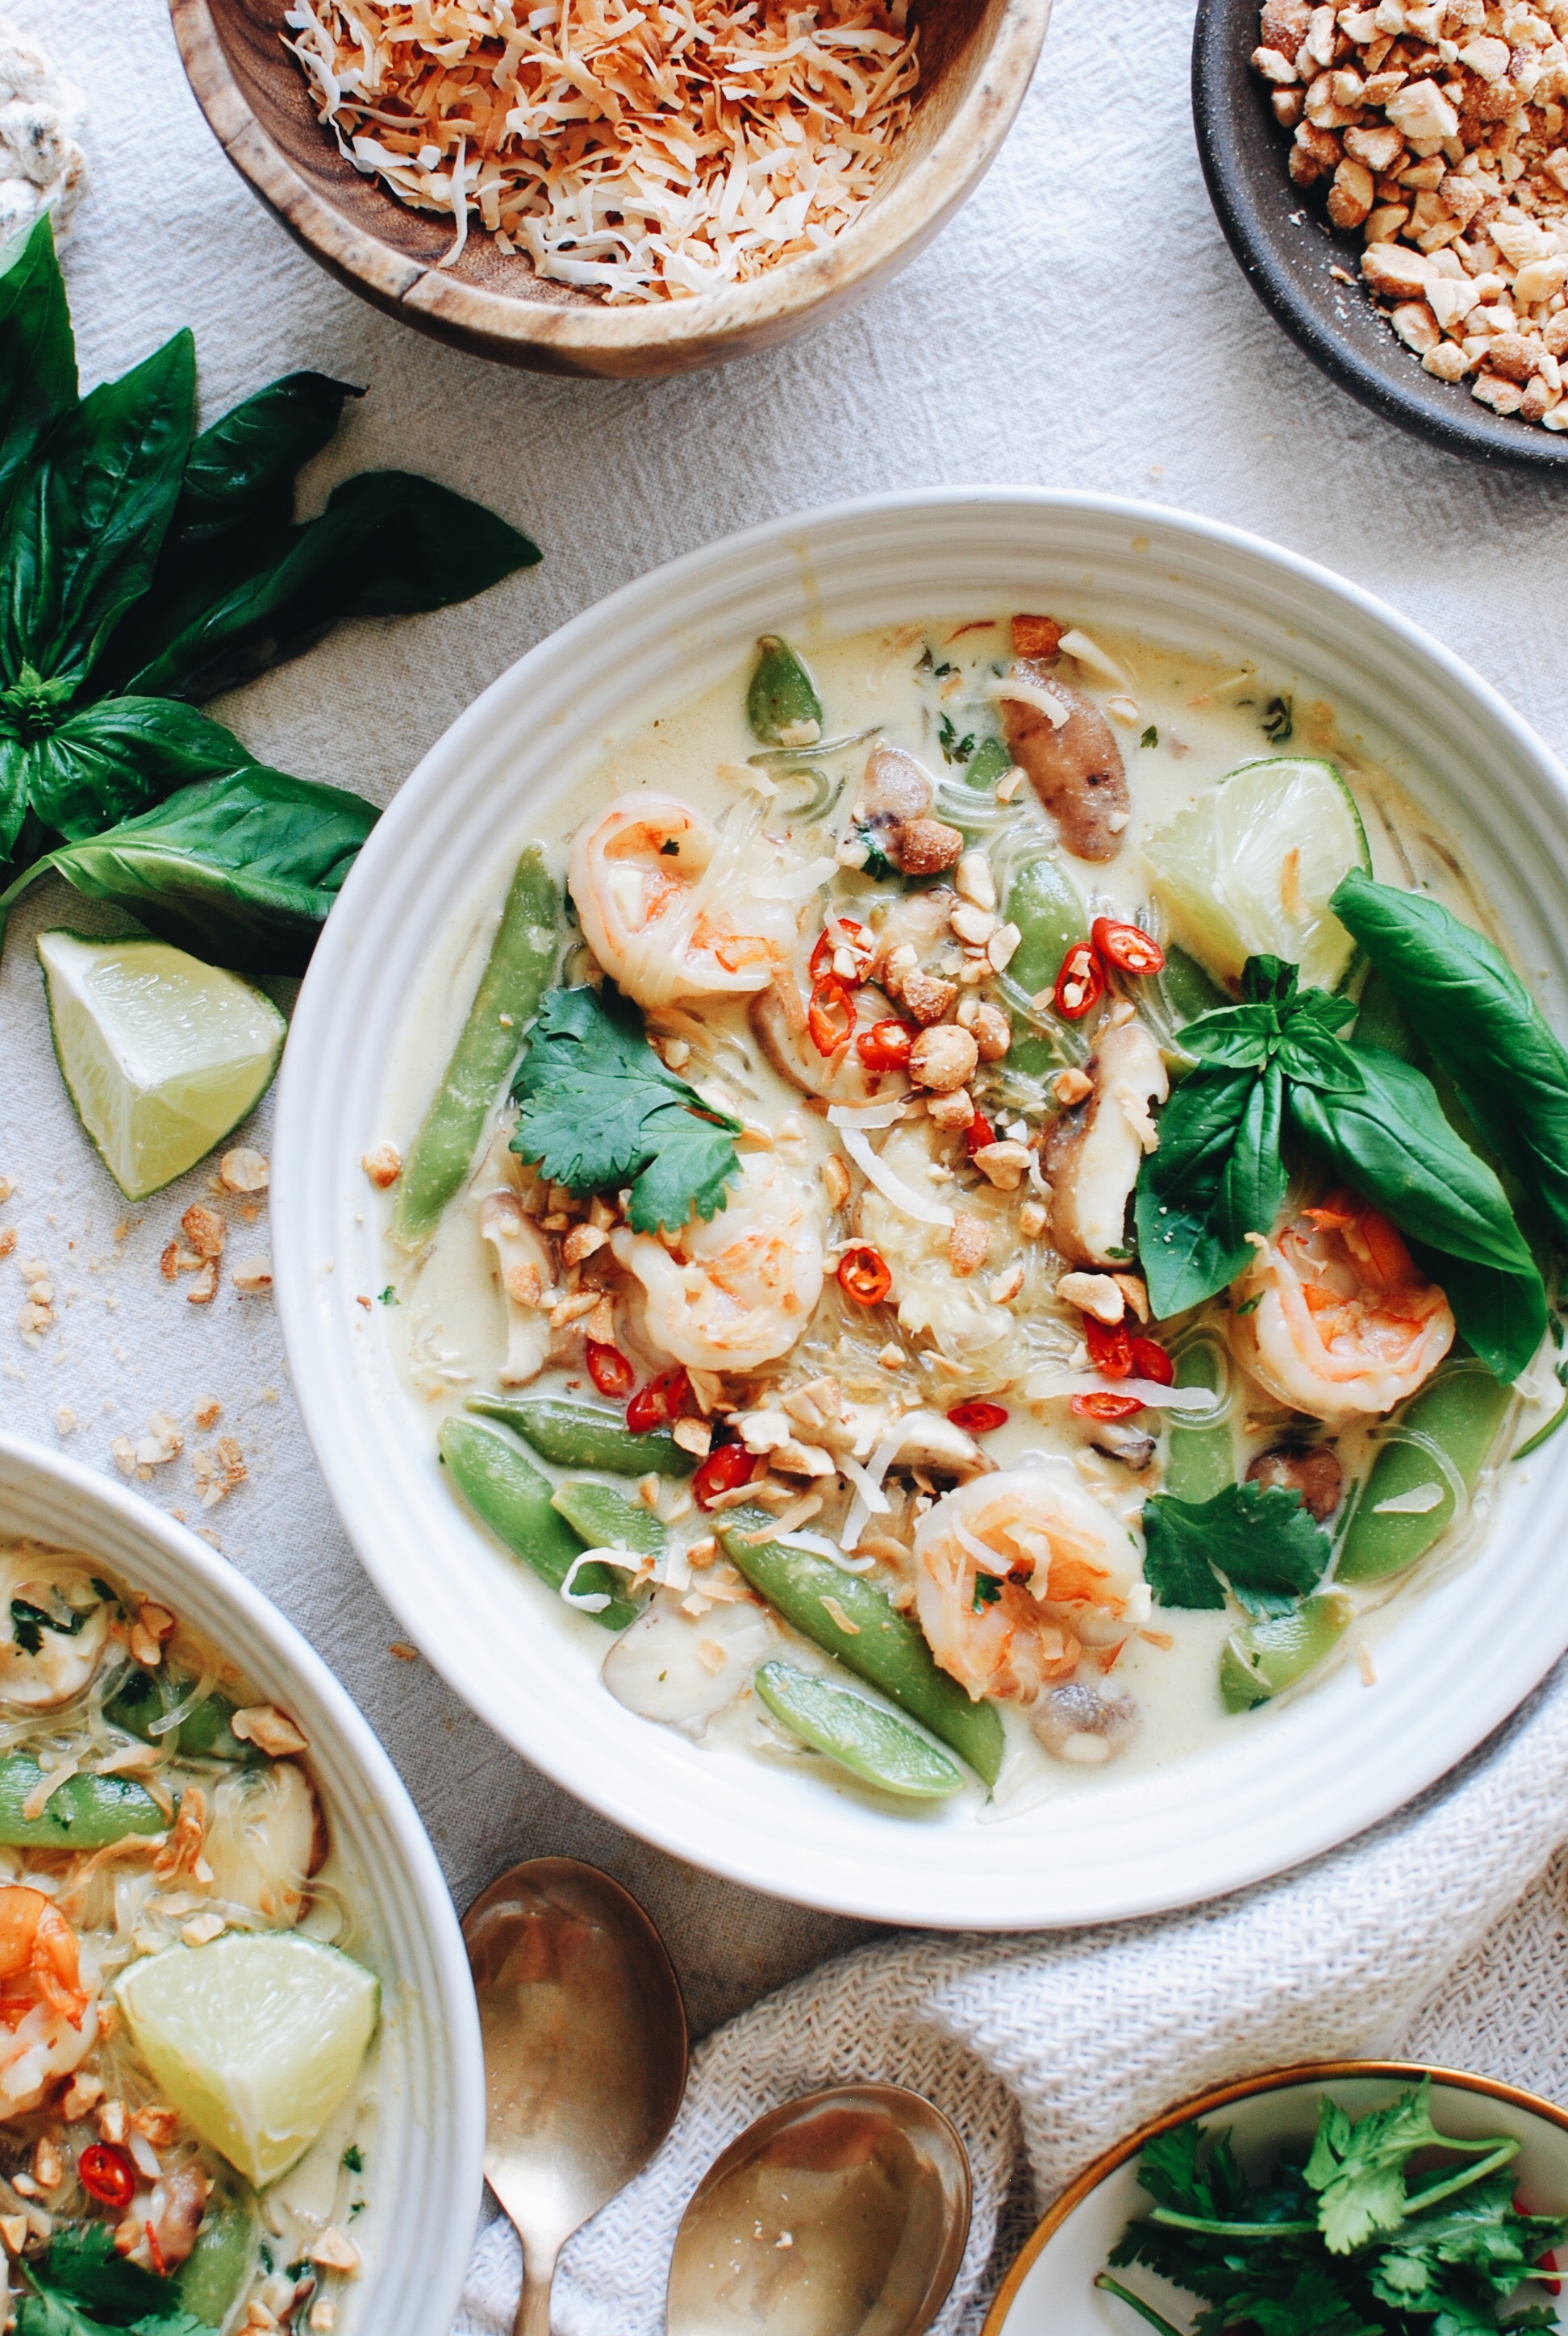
643, 152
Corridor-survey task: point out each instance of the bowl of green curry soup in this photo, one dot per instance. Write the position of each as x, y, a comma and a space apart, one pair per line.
920, 1199
239, 2068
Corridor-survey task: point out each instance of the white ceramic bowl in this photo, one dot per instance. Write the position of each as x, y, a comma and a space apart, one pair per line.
423, 2199
1292, 1780
1050, 2290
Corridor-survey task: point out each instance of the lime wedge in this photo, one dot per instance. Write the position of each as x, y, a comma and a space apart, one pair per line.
256, 2039
1249, 869
162, 1055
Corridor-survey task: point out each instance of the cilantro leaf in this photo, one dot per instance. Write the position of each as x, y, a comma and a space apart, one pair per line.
82, 2266
600, 1110
1258, 1538
1358, 2168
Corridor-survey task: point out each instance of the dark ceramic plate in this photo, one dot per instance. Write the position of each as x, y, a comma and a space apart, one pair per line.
1285, 248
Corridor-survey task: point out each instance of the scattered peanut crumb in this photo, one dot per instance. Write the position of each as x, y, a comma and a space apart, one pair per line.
1369, 1668
204, 1289
252, 1277
65, 1421
207, 1411
244, 1171
403, 1651
335, 2251
218, 1471
7, 1241
204, 1229
383, 1164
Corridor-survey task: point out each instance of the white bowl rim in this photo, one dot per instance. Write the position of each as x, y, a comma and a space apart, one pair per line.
453, 2217
1298, 2077
750, 1862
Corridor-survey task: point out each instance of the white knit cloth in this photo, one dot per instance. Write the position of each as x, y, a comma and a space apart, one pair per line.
1043, 2050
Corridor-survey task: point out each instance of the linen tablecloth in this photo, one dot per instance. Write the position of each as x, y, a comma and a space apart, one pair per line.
1081, 324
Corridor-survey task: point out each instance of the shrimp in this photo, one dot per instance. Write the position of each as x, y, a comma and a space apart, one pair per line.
53, 1628
1332, 1316
48, 1999
737, 1290
1017, 1574
666, 900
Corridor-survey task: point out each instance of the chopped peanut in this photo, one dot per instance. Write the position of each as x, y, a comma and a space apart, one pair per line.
244, 1171
383, 1164
968, 1243
271, 1731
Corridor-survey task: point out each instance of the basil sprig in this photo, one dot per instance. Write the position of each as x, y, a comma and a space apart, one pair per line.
143, 565
1481, 1025
1275, 1069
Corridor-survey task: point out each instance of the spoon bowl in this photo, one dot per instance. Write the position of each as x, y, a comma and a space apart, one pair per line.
845, 2213
585, 2052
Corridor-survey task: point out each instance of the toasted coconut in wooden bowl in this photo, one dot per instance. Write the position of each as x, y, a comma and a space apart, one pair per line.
893, 162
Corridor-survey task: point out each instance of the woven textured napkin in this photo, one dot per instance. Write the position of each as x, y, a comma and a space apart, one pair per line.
1044, 2050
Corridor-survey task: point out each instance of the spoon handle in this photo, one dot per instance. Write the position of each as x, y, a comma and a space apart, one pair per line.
533, 2304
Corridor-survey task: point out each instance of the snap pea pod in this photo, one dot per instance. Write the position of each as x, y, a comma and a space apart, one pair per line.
606, 1519
218, 2270
871, 1742
1047, 908
83, 1813
1185, 989
1199, 1462
585, 1435
1261, 1660
990, 762
867, 1635
521, 961
782, 695
510, 1496
1445, 1432
204, 1734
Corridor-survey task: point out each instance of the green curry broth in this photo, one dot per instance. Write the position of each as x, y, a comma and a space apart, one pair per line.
121, 1909
1197, 718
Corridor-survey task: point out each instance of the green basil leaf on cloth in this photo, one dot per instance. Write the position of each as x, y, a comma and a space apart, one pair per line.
81, 535
240, 870
37, 349
1468, 1006
114, 759
389, 543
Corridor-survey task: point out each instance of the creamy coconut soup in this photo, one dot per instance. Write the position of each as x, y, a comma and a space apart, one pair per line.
188, 2014
976, 1230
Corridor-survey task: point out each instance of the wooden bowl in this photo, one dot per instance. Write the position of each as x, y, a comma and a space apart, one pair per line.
976, 59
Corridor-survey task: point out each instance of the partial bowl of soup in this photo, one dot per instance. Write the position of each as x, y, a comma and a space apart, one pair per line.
239, 2068
919, 1200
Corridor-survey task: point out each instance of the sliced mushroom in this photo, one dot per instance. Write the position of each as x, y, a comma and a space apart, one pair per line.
1077, 1724
1313, 1470
682, 1668
1068, 747
932, 1442
778, 1017
1118, 1439
523, 1265
1093, 1154
894, 788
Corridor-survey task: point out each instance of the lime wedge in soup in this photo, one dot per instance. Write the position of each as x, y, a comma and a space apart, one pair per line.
162, 1055
1249, 869
257, 2038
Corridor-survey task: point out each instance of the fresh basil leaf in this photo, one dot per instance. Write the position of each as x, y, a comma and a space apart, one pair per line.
1330, 1007
37, 351
241, 871
1236, 1038
1469, 1006
1308, 1053
1268, 981
235, 518
1252, 1182
388, 544
1502, 1316
113, 760
244, 467
82, 532
1392, 1142
1188, 1250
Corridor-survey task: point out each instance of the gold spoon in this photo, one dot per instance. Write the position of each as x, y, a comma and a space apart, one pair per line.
842, 2215
585, 2052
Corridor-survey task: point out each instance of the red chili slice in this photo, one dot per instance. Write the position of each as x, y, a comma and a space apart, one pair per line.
978, 1133
663, 1398
1110, 1350
1150, 1361
725, 1467
978, 1419
885, 1047
1128, 946
830, 995
857, 940
107, 2174
1105, 1407
864, 1275
1081, 983
609, 1369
